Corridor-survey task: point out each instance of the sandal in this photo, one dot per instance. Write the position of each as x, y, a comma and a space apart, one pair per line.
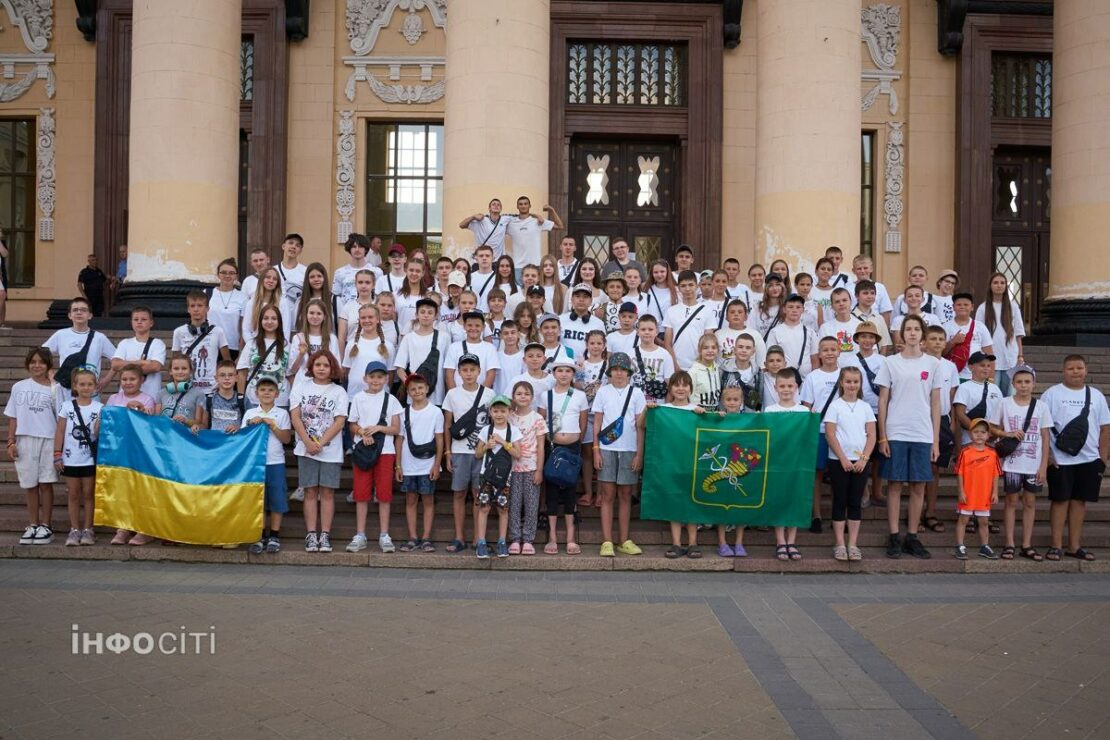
456, 546
674, 551
933, 524
1031, 553
781, 552
840, 552
993, 528
427, 546
551, 548
409, 546
573, 548
1007, 553
972, 527
1081, 554
794, 552
1053, 554
693, 552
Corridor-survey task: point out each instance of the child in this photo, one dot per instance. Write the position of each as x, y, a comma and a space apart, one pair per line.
372, 414
706, 375
369, 344
757, 275
734, 289
588, 378
716, 300
483, 280
471, 344
348, 317
732, 402
966, 336
685, 322
494, 438
203, 343
767, 313
75, 437
509, 357
786, 386
466, 403
863, 267
265, 356
319, 410
850, 438
224, 408
391, 281
818, 391
736, 316
978, 398
33, 408
813, 314
979, 473
662, 293
943, 299
618, 410
80, 338
551, 334
565, 410
914, 296
421, 455
313, 334
624, 338
529, 277
130, 393
281, 431
449, 309
634, 295
654, 364
840, 278
344, 282
822, 291
948, 379
843, 324
867, 309
679, 390
495, 318
916, 277
774, 362
422, 351
146, 351
745, 376
609, 311
1024, 470
868, 361
527, 475
538, 380
387, 313
180, 399
527, 327
798, 342
578, 322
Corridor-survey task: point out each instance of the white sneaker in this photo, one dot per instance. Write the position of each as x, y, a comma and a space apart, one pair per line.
297, 495
386, 544
351, 497
74, 538
357, 543
28, 536
44, 535
88, 537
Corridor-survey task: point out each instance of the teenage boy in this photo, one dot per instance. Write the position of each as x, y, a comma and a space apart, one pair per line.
259, 261
798, 341
551, 335
510, 358
948, 380
624, 339
685, 322
281, 432
392, 281
842, 324
146, 351
292, 274
979, 472
867, 310
818, 391
736, 290
966, 336
745, 373
416, 470
471, 345
773, 364
683, 261
461, 463
716, 300
917, 277
578, 321
1074, 479
568, 261
839, 279
978, 398
202, 342
489, 230
736, 323
621, 261
66, 342
484, 279
1024, 470
942, 299
225, 405
533, 374
343, 282
863, 267
618, 451
654, 364
913, 296
525, 228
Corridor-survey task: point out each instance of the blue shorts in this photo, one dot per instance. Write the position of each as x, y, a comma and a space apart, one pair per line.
421, 484
909, 462
822, 452
276, 500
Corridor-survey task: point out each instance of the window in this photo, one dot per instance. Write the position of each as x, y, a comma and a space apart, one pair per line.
1021, 85
17, 199
867, 195
404, 197
600, 73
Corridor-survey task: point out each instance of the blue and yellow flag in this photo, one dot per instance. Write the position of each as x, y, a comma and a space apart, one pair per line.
156, 477
750, 469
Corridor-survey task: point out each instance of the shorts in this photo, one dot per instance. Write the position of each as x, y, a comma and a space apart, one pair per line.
616, 467
277, 502
421, 484
1075, 482
822, 452
312, 473
378, 479
909, 462
79, 471
35, 463
1018, 482
981, 513
466, 470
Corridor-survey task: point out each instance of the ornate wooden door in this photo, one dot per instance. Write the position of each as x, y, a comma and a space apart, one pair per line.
1021, 210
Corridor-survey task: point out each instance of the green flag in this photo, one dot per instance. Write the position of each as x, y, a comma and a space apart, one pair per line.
751, 469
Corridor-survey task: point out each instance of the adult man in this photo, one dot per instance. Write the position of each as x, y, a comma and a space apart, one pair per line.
374, 254
121, 271
292, 273
260, 260
489, 229
621, 261
579, 321
91, 282
568, 261
683, 260
525, 228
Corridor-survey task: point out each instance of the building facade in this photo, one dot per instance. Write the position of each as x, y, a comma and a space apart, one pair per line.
950, 133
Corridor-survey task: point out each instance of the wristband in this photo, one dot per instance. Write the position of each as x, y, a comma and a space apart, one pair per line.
57, 455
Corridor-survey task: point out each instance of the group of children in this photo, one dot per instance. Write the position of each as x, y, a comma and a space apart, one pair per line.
479, 377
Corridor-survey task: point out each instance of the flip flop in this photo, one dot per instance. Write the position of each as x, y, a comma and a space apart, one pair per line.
573, 548
551, 548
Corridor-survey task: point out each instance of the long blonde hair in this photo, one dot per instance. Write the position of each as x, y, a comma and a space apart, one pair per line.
383, 348
557, 293
263, 297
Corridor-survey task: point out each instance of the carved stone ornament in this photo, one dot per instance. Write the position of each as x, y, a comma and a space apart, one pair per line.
395, 91
407, 93
44, 158
880, 30
895, 172
412, 28
18, 71
35, 21
345, 175
366, 19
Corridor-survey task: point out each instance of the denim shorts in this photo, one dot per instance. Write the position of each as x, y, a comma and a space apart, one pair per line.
909, 462
276, 500
421, 484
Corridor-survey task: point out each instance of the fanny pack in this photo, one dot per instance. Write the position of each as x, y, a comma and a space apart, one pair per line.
64, 374
563, 464
464, 426
980, 409
1073, 436
1008, 445
364, 455
422, 451
613, 431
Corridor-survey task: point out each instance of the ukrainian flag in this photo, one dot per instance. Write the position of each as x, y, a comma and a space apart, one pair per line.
156, 477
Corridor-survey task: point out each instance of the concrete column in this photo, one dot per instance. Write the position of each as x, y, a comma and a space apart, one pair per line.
498, 121
808, 129
184, 147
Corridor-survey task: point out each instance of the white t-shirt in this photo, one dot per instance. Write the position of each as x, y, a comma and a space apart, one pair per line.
225, 310
481, 284
608, 402
1064, 404
35, 408
876, 318
274, 366
1006, 351
980, 338
851, 421
510, 367
726, 340
686, 344
799, 345
741, 292
275, 450
320, 405
658, 301
292, 286
882, 298
874, 362
539, 385
509, 432
368, 351
717, 319
76, 451
389, 283
842, 331
458, 401
487, 359
131, 350
414, 350
949, 381
617, 342
567, 408
206, 354
525, 233
249, 285
406, 311
817, 387
574, 331
943, 308
776, 409
970, 394
823, 297
343, 282
314, 342
930, 320
1026, 459
911, 381
657, 365
928, 304
66, 342
350, 314
491, 233
366, 410
425, 424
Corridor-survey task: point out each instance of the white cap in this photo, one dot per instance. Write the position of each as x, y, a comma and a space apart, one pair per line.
456, 278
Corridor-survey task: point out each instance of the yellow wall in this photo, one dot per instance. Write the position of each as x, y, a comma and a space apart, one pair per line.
738, 147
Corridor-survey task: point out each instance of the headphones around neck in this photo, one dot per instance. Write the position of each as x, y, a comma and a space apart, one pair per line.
196, 331
174, 387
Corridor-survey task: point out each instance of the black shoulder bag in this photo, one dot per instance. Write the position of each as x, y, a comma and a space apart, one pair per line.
651, 388
365, 456
686, 323
464, 426
422, 451
64, 374
85, 435
497, 467
979, 411
1073, 436
429, 368
868, 372
1008, 445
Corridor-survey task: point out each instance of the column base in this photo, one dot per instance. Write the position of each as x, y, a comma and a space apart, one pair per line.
1073, 323
165, 298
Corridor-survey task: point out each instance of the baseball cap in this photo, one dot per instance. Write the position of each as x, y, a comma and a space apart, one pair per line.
584, 288
628, 307
501, 400
537, 345
977, 357
705, 275
548, 317
561, 360
470, 358
978, 422
456, 278
537, 290
396, 249
1024, 369
375, 366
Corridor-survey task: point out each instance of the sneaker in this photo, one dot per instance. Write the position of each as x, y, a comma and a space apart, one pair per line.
88, 537
628, 547
297, 495
44, 535
324, 542
28, 535
74, 538
351, 497
385, 544
482, 550
912, 546
273, 544
357, 543
815, 525
311, 544
502, 549
607, 550
724, 551
514, 549
986, 552
257, 548
961, 552
854, 554
740, 551
894, 547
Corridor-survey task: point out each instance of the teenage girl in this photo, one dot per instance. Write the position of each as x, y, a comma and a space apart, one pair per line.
555, 293
590, 376
313, 334
662, 293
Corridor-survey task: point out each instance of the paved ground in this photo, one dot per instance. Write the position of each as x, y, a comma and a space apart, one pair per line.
464, 654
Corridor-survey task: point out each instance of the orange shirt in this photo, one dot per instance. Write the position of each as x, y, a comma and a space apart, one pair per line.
978, 469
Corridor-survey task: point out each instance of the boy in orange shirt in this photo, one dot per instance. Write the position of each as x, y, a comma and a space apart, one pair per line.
980, 472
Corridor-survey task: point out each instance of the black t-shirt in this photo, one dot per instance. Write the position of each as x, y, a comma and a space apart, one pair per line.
93, 278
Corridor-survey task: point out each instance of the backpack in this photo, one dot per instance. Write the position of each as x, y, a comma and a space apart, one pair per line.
497, 467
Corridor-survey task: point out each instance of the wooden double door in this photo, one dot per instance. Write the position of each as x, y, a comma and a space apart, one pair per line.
1021, 205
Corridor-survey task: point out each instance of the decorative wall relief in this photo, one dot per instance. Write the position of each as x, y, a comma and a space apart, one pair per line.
365, 21
35, 21
44, 162
881, 28
345, 175
895, 170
